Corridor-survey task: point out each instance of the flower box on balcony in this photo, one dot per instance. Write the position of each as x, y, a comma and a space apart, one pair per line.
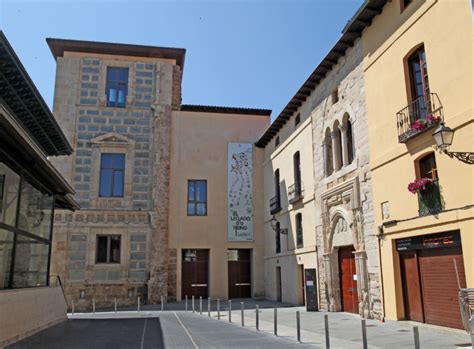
429, 196
419, 116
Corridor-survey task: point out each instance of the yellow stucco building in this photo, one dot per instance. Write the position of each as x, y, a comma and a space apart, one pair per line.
418, 69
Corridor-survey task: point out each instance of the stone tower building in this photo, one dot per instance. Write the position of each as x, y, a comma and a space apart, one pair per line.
114, 103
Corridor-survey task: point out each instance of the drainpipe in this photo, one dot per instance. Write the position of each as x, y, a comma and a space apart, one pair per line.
379, 238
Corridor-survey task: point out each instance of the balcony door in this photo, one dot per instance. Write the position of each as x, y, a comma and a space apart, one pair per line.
419, 85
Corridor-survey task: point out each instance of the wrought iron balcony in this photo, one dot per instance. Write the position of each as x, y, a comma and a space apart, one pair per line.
418, 116
295, 192
275, 205
429, 200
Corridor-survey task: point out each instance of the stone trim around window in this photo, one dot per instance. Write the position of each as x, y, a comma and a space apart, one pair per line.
112, 143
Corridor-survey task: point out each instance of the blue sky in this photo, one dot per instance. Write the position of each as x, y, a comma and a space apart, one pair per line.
239, 53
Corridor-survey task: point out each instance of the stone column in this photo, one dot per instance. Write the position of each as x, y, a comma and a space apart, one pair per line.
326, 158
345, 150
362, 283
335, 153
332, 303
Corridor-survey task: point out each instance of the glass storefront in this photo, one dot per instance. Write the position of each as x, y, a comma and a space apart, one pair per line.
26, 213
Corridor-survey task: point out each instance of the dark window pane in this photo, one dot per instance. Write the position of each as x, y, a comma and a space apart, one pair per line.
119, 161
35, 211
189, 255
106, 183
9, 196
201, 191
191, 209
31, 263
201, 209
106, 161
6, 248
101, 249
118, 183
114, 249
190, 190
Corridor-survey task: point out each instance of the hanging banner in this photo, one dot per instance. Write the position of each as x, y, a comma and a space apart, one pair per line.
239, 192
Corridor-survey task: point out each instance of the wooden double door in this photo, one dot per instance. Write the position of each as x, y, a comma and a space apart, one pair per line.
194, 273
348, 280
430, 285
239, 276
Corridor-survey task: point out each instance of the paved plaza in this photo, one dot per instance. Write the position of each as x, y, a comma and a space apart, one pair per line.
177, 328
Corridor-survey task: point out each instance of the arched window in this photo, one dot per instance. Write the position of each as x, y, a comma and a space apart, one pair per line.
338, 150
327, 153
299, 230
350, 142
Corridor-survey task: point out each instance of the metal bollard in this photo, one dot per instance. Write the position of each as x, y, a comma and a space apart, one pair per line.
218, 309
326, 330
364, 334
200, 305
192, 303
162, 304
230, 310
416, 336
115, 304
138, 304
186, 307
72, 307
275, 319
242, 312
256, 318
208, 306
93, 304
298, 331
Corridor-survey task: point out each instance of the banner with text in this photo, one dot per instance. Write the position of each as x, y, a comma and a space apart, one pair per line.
239, 192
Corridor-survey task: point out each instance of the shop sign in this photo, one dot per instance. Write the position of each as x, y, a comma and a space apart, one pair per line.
449, 239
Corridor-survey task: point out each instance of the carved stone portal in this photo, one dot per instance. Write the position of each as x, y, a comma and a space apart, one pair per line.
342, 226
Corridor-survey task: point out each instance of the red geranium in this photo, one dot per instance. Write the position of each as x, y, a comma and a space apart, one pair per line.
419, 184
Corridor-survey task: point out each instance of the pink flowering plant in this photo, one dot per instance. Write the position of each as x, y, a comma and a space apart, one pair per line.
419, 184
421, 124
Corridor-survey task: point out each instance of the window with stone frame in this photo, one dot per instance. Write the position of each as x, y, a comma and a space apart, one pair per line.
112, 170
116, 86
299, 230
197, 197
108, 249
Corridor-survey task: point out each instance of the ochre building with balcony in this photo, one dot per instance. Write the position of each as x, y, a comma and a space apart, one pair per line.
418, 72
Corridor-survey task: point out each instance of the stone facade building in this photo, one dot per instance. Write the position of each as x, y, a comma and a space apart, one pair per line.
345, 233
331, 103
114, 103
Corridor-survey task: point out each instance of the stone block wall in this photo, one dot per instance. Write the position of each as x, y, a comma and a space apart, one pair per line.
347, 77
141, 130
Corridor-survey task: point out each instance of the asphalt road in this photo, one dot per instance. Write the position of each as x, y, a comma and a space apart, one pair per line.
168, 330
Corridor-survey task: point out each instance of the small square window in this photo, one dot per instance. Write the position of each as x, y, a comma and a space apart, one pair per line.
297, 119
108, 249
116, 87
277, 141
334, 96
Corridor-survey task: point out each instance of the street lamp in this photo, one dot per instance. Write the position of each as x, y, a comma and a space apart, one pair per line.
276, 226
443, 137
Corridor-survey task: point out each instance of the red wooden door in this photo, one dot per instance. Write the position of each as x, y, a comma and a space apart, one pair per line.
440, 285
411, 286
348, 278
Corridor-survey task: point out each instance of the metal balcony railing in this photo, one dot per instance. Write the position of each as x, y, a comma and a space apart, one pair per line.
275, 205
429, 200
295, 192
420, 115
